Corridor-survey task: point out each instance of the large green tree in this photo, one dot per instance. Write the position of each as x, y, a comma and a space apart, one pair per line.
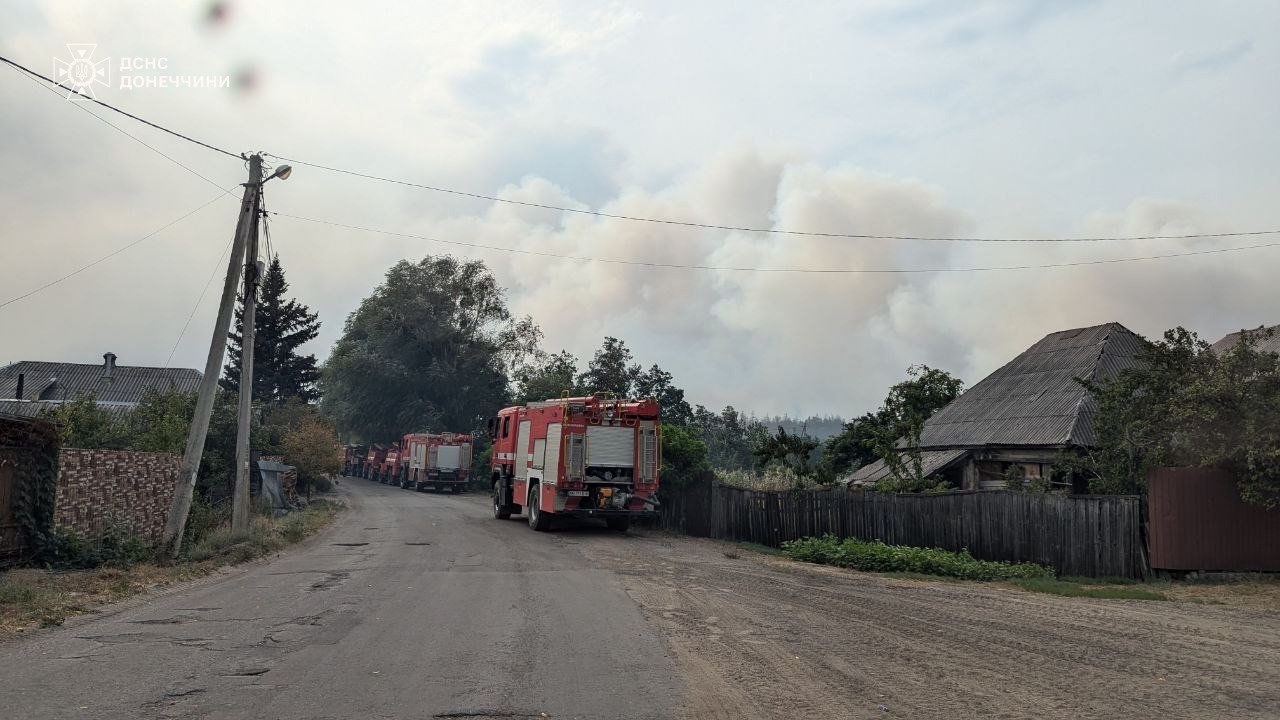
550, 376
892, 433
431, 348
657, 383
610, 370
282, 326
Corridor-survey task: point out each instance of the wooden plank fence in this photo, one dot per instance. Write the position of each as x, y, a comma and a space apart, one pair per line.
1092, 536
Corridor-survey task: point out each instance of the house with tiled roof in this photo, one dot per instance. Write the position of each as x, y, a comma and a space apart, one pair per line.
1025, 414
28, 386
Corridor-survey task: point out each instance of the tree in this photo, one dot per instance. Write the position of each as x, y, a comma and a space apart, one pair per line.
1185, 404
729, 436
852, 447
282, 326
312, 447
83, 423
684, 456
796, 453
656, 383
610, 370
550, 377
893, 432
424, 351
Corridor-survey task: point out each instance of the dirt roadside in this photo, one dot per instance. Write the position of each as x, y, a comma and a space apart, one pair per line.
759, 637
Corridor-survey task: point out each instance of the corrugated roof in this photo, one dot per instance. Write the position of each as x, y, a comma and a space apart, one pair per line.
1035, 399
126, 385
1270, 343
931, 461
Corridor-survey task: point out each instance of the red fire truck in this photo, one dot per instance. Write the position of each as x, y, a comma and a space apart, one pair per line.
576, 457
436, 461
387, 470
373, 461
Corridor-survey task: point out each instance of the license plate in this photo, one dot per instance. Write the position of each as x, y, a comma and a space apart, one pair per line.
577, 493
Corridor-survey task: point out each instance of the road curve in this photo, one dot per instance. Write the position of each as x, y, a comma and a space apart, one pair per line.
412, 606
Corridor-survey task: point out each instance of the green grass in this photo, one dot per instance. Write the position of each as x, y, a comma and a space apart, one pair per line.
1090, 588
876, 556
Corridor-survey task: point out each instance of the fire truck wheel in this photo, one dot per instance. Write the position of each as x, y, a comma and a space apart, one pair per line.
501, 510
621, 524
538, 520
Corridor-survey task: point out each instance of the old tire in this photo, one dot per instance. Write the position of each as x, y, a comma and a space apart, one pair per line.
538, 520
621, 524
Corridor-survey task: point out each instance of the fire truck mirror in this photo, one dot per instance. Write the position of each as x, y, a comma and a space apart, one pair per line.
493, 427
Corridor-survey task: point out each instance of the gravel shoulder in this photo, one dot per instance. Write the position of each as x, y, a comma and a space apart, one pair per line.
764, 637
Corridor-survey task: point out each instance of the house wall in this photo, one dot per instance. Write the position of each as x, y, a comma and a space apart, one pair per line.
124, 489
984, 469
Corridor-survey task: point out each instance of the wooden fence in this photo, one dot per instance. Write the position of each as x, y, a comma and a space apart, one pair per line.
1076, 535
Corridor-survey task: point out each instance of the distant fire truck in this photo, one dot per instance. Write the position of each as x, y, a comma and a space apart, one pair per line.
436, 461
576, 457
373, 461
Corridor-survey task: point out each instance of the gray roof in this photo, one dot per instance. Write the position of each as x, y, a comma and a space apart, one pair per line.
126, 385
1035, 400
931, 461
1269, 342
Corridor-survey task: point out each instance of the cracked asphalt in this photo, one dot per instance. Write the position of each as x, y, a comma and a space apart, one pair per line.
411, 606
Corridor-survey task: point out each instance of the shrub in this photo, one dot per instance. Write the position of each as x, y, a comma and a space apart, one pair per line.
116, 547
876, 556
235, 545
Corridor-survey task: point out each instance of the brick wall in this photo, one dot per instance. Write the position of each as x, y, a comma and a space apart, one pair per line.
101, 487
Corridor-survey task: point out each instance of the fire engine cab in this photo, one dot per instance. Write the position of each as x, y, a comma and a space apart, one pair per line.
436, 461
576, 457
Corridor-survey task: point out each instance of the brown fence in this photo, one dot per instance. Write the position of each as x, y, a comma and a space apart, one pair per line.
1198, 522
1076, 535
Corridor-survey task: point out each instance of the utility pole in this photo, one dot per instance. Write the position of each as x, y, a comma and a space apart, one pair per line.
240, 496
176, 522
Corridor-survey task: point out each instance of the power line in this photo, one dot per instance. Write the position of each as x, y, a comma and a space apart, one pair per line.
128, 134
217, 264
113, 108
115, 252
828, 271
769, 231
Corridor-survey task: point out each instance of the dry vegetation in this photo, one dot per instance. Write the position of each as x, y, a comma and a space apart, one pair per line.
35, 597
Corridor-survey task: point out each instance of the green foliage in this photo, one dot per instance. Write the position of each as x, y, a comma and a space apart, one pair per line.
282, 326
430, 348
611, 370
657, 384
1186, 405
892, 433
83, 423
312, 447
547, 377
730, 437
161, 422
30, 446
116, 547
684, 456
878, 557
774, 477
797, 454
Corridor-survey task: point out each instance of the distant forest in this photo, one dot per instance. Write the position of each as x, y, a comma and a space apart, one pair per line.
819, 428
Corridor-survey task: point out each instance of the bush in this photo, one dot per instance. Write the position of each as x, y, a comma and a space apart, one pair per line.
876, 556
116, 547
235, 545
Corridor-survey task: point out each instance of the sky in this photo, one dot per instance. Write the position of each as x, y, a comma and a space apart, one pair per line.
931, 118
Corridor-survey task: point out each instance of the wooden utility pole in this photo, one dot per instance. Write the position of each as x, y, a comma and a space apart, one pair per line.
176, 522
240, 496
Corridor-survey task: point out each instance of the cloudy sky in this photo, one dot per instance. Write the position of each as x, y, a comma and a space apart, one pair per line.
932, 118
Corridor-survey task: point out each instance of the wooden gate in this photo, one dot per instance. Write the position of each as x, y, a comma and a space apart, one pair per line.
11, 540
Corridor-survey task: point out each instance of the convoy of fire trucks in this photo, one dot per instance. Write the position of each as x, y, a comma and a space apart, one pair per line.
579, 457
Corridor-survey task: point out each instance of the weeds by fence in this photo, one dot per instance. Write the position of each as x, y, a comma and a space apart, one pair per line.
1075, 535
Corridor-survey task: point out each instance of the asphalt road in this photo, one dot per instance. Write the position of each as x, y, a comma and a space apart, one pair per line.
412, 606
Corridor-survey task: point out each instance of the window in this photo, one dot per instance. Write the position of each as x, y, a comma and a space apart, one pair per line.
506, 426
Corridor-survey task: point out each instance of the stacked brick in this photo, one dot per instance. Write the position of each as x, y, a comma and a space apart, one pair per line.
119, 490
